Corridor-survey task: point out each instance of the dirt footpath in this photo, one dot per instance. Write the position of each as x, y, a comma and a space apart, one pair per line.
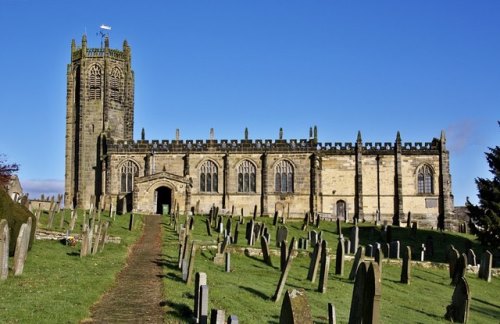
138, 291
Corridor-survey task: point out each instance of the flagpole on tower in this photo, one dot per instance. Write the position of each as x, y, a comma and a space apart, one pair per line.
104, 31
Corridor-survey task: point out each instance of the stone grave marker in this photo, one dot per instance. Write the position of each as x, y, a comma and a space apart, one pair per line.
347, 244
460, 269
314, 263
217, 316
354, 239
358, 259
406, 268
332, 319
256, 231
325, 267
471, 257
203, 314
192, 256
275, 218
22, 243
485, 266
458, 310
84, 241
313, 237
340, 258
284, 273
452, 258
249, 232
200, 279
254, 212
295, 308
379, 258
265, 251
408, 220
228, 262
97, 239
183, 250
394, 252
229, 225
191, 223
236, 233
339, 226
318, 220
369, 250
422, 252
283, 255
233, 319
366, 295
4, 249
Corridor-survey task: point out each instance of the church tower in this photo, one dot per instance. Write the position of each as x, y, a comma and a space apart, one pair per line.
100, 105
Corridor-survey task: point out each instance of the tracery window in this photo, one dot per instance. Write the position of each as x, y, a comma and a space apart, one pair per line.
425, 180
209, 177
246, 177
283, 177
128, 170
95, 83
116, 85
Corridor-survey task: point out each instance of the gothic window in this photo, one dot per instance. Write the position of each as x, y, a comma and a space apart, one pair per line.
128, 171
208, 177
341, 209
95, 80
283, 177
116, 85
246, 177
424, 179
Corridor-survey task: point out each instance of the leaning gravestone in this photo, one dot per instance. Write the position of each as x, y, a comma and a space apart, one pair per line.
295, 308
23, 240
458, 310
200, 279
283, 255
4, 249
406, 268
354, 239
331, 314
265, 251
485, 267
340, 258
284, 273
359, 258
471, 257
460, 268
191, 264
366, 295
325, 267
314, 263
379, 257
452, 257
217, 316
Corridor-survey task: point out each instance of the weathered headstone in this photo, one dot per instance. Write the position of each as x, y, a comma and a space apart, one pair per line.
369, 250
460, 268
295, 308
4, 249
452, 258
406, 268
233, 319
485, 266
314, 263
358, 259
471, 257
379, 258
347, 246
183, 250
265, 251
340, 258
255, 212
354, 239
84, 241
192, 256
200, 279
366, 295
313, 237
408, 220
339, 226
332, 319
275, 218
394, 252
249, 235
318, 220
203, 306
228, 262
325, 267
422, 252
217, 316
236, 233
283, 255
458, 310
284, 273
22, 243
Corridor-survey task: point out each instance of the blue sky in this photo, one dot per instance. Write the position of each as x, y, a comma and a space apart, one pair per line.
374, 66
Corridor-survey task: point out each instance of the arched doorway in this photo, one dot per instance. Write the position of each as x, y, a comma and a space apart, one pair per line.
163, 197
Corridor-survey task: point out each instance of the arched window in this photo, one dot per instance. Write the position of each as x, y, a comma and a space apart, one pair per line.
283, 177
246, 177
95, 80
424, 179
116, 85
128, 171
341, 209
208, 177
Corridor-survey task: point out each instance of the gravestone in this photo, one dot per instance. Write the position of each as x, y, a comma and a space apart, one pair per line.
295, 308
236, 233
379, 258
229, 225
183, 250
366, 295
228, 262
325, 267
406, 268
414, 229
275, 218
191, 223
314, 263
422, 252
394, 250
255, 212
485, 266
452, 258
104, 236
284, 273
4, 249
339, 226
203, 306
217, 316
471, 257
283, 255
224, 245
313, 237
354, 239
233, 319
22, 243
331, 314
347, 245
408, 220
265, 251
200, 279
249, 232
84, 241
460, 269
318, 220
256, 231
458, 310
358, 259
191, 264
369, 250
340, 258
131, 222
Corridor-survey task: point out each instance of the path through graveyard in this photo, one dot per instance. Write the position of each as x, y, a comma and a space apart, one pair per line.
137, 293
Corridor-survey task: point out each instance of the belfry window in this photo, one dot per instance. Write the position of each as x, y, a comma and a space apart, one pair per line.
116, 85
128, 171
246, 177
95, 83
425, 180
208, 177
283, 177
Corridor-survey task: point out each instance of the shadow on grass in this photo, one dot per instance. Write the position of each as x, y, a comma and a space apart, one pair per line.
256, 292
172, 276
180, 311
428, 314
166, 264
73, 254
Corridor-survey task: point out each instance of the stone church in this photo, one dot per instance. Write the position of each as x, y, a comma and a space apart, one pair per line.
105, 166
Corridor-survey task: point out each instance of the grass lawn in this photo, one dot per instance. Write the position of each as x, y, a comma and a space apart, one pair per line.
59, 287
247, 289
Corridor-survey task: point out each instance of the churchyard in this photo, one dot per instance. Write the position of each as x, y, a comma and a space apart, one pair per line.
243, 281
